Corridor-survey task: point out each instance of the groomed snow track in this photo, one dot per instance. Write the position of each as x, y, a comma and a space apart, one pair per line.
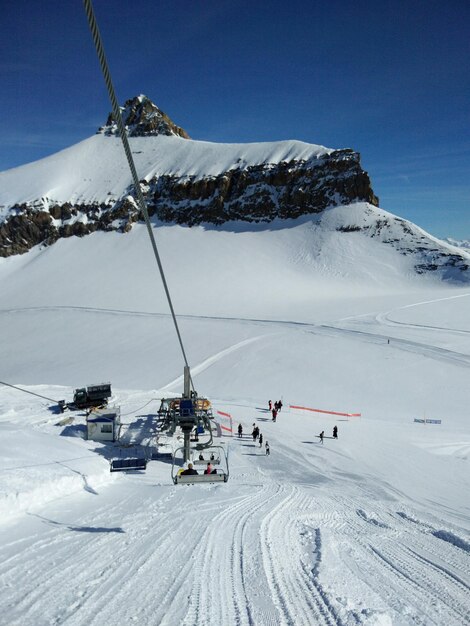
262, 552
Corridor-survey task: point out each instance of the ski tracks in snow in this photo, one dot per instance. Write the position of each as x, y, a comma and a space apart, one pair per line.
223, 589
434, 352
293, 578
253, 565
200, 367
257, 555
398, 565
268, 559
385, 319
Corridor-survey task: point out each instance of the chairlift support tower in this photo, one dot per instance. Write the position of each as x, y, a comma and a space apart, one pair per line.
187, 383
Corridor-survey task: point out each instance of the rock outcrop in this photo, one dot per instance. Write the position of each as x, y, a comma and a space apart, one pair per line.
142, 118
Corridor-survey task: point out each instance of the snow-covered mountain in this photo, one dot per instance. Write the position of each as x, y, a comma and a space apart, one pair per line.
87, 188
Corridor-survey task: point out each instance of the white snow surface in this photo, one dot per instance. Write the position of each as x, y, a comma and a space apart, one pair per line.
96, 170
372, 528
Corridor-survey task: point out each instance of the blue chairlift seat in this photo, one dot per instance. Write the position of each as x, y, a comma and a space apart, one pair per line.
123, 465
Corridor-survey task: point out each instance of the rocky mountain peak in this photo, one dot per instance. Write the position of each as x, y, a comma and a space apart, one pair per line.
143, 118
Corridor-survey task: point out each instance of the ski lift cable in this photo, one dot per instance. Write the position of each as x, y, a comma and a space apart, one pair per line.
26, 391
140, 198
140, 408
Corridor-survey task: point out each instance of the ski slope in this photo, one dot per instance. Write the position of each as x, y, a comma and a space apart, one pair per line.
372, 528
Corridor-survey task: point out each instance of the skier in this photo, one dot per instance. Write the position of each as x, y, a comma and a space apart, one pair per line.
321, 435
274, 415
279, 405
335, 432
257, 433
208, 469
268, 452
270, 404
260, 440
254, 433
240, 430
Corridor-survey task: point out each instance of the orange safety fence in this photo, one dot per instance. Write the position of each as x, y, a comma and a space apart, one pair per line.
306, 408
228, 417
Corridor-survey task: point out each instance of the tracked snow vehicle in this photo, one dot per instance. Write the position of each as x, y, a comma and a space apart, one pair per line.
91, 397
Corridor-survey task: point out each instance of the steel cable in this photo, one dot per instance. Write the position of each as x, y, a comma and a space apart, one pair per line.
26, 391
122, 131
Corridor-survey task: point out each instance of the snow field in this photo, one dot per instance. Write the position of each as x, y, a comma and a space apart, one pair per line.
371, 529
314, 548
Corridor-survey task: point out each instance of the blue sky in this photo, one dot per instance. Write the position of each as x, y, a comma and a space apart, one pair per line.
389, 79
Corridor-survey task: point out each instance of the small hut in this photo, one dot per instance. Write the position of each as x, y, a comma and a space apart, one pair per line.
104, 424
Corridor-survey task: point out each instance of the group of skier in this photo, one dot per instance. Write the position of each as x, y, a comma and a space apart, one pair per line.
257, 437
275, 409
335, 434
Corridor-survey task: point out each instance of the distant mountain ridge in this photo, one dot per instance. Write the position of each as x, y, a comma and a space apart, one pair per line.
87, 188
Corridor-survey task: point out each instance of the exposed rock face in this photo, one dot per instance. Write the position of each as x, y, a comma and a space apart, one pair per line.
24, 230
251, 194
261, 193
29, 226
142, 118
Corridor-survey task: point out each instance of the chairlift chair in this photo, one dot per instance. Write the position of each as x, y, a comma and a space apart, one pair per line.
221, 475
207, 453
